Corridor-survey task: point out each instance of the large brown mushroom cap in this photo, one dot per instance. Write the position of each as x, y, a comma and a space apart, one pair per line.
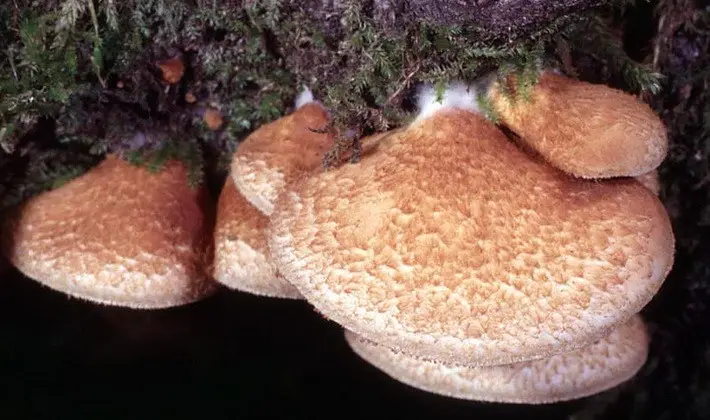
580, 373
587, 130
118, 235
242, 258
450, 243
280, 152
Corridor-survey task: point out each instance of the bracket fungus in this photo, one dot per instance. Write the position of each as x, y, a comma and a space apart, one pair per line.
242, 258
278, 153
450, 243
603, 365
117, 235
587, 130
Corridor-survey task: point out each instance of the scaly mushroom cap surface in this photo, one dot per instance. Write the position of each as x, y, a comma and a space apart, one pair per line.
280, 152
117, 235
590, 370
587, 130
450, 243
242, 258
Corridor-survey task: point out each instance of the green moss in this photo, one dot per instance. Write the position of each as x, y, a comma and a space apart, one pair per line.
91, 71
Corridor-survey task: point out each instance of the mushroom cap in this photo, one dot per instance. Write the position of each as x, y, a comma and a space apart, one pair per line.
242, 258
450, 243
280, 152
587, 130
651, 181
590, 370
118, 235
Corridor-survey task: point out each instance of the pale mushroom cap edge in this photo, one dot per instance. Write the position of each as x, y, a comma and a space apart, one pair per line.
117, 235
601, 366
242, 258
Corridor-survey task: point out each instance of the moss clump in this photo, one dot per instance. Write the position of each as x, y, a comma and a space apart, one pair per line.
88, 74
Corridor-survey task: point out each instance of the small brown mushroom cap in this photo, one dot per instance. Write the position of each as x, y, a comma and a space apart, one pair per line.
213, 119
242, 258
280, 152
587, 130
118, 235
450, 243
172, 69
587, 371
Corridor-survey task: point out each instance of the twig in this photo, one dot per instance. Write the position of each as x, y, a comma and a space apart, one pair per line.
12, 65
94, 18
95, 21
657, 43
404, 84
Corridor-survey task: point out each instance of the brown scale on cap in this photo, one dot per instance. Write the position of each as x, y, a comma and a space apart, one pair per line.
590, 370
118, 235
450, 243
242, 258
587, 130
280, 152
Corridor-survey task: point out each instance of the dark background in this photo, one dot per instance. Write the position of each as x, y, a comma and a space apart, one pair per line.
231, 356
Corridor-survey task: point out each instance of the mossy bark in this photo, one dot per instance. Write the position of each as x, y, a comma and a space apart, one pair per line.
496, 18
90, 79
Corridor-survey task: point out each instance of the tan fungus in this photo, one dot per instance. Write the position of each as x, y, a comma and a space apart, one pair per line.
450, 243
587, 130
603, 365
172, 70
242, 258
278, 153
118, 235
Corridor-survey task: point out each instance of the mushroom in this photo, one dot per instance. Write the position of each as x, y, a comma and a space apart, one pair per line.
117, 235
213, 119
601, 366
242, 258
278, 153
450, 243
587, 130
172, 70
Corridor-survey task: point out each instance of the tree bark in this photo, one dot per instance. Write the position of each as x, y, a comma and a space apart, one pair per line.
497, 18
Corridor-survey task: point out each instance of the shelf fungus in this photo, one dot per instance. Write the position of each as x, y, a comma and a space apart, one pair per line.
450, 243
117, 235
598, 367
278, 153
242, 258
587, 130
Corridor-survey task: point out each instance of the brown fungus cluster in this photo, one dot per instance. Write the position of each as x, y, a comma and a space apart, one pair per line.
458, 260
